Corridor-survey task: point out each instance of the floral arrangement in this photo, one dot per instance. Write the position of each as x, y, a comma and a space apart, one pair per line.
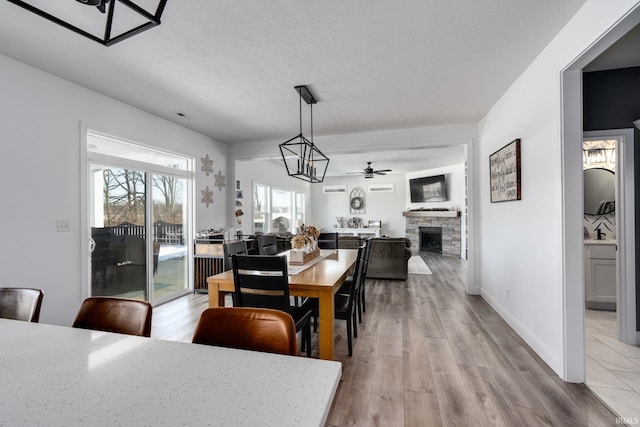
307, 238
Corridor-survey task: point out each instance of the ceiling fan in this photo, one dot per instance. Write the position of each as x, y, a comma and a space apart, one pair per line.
369, 172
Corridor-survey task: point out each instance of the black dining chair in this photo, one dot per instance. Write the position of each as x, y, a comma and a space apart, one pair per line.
21, 304
263, 281
267, 244
233, 248
367, 252
345, 289
345, 305
328, 241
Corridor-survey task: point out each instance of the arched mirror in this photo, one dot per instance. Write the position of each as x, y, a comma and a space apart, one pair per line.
599, 191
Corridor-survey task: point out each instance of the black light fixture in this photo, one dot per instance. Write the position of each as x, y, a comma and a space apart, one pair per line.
302, 158
144, 19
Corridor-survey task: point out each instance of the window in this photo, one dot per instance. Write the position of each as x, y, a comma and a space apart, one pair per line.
300, 199
260, 208
276, 210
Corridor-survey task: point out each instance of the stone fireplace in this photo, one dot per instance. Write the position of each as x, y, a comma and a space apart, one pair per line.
448, 222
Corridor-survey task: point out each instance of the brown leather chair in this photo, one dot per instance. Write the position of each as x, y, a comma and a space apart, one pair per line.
121, 315
20, 304
248, 328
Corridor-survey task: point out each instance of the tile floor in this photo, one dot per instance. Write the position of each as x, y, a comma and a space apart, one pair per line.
613, 368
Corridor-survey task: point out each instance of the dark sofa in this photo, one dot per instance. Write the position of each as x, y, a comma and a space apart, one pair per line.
389, 258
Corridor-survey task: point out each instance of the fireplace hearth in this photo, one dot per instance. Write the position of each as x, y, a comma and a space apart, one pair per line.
431, 239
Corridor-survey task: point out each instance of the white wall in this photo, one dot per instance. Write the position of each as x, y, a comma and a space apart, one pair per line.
520, 256
40, 123
385, 207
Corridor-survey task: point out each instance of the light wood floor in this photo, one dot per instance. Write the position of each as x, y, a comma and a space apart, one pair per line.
427, 354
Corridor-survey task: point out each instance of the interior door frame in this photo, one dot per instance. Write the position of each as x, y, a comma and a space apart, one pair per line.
625, 230
573, 363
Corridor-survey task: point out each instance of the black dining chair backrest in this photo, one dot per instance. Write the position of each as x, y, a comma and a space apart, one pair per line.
21, 304
233, 248
328, 241
263, 281
363, 278
267, 244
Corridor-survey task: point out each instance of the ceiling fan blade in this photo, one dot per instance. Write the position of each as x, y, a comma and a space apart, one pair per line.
382, 170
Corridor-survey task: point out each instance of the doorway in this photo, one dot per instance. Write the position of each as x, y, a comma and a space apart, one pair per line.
611, 370
139, 210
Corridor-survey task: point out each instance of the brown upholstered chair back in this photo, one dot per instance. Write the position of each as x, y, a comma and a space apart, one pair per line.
247, 328
20, 304
121, 315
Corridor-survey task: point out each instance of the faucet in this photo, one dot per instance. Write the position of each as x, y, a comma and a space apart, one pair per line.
600, 233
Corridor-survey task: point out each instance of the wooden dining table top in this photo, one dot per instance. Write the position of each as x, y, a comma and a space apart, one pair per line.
329, 272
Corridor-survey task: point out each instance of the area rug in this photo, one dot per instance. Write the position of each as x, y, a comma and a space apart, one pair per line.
418, 266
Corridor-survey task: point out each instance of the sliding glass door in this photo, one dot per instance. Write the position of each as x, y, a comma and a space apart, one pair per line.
118, 233
170, 260
139, 218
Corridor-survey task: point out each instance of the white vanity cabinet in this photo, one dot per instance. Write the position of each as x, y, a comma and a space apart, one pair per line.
600, 275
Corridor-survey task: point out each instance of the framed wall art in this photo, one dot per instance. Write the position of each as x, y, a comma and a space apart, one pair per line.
504, 167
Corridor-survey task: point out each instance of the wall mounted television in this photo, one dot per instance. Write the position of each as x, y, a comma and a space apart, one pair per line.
428, 189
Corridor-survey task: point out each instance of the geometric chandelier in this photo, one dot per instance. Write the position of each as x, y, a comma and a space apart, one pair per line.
105, 23
301, 157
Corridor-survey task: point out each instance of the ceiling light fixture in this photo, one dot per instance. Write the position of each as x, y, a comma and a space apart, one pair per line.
132, 23
302, 158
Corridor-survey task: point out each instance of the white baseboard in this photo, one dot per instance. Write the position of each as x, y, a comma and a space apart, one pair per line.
551, 358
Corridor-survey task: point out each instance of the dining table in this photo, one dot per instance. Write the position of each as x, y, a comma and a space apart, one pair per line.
320, 279
63, 376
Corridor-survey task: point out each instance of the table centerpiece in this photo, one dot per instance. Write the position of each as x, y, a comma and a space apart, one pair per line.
304, 245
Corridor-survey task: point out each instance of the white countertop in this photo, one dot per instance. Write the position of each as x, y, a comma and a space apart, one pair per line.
599, 242
54, 375
357, 231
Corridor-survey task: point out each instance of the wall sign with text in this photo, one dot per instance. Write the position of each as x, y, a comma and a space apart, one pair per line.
504, 166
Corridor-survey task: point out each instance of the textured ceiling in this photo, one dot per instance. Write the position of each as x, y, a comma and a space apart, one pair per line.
231, 65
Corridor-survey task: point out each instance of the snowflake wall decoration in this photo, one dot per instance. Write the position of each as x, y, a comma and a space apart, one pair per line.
220, 181
207, 165
207, 196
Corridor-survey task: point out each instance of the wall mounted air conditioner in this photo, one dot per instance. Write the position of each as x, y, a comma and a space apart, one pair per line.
333, 189
382, 188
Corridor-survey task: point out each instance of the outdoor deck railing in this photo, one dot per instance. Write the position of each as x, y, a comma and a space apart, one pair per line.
162, 232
